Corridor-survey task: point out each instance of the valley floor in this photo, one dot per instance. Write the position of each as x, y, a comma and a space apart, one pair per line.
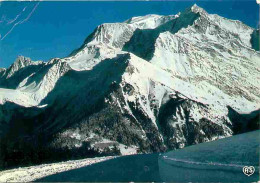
28, 174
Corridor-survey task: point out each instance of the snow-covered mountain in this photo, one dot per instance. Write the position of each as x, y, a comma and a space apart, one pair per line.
147, 84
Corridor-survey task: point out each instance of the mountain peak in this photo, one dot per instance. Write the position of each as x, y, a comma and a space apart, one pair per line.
195, 6
196, 9
22, 60
19, 63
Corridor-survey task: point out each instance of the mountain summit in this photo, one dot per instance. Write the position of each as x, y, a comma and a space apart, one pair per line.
148, 84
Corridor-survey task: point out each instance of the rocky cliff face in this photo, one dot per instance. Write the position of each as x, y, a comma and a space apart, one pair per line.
149, 84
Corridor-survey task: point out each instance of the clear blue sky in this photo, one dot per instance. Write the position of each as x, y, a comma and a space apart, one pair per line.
55, 29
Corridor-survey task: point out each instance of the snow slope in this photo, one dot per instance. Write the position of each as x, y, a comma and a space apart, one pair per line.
218, 161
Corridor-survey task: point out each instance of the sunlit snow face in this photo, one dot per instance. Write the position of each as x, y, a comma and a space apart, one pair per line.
13, 14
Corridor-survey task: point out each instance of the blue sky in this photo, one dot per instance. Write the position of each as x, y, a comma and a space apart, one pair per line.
55, 29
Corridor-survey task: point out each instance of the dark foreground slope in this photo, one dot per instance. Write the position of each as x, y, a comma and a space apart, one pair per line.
218, 161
